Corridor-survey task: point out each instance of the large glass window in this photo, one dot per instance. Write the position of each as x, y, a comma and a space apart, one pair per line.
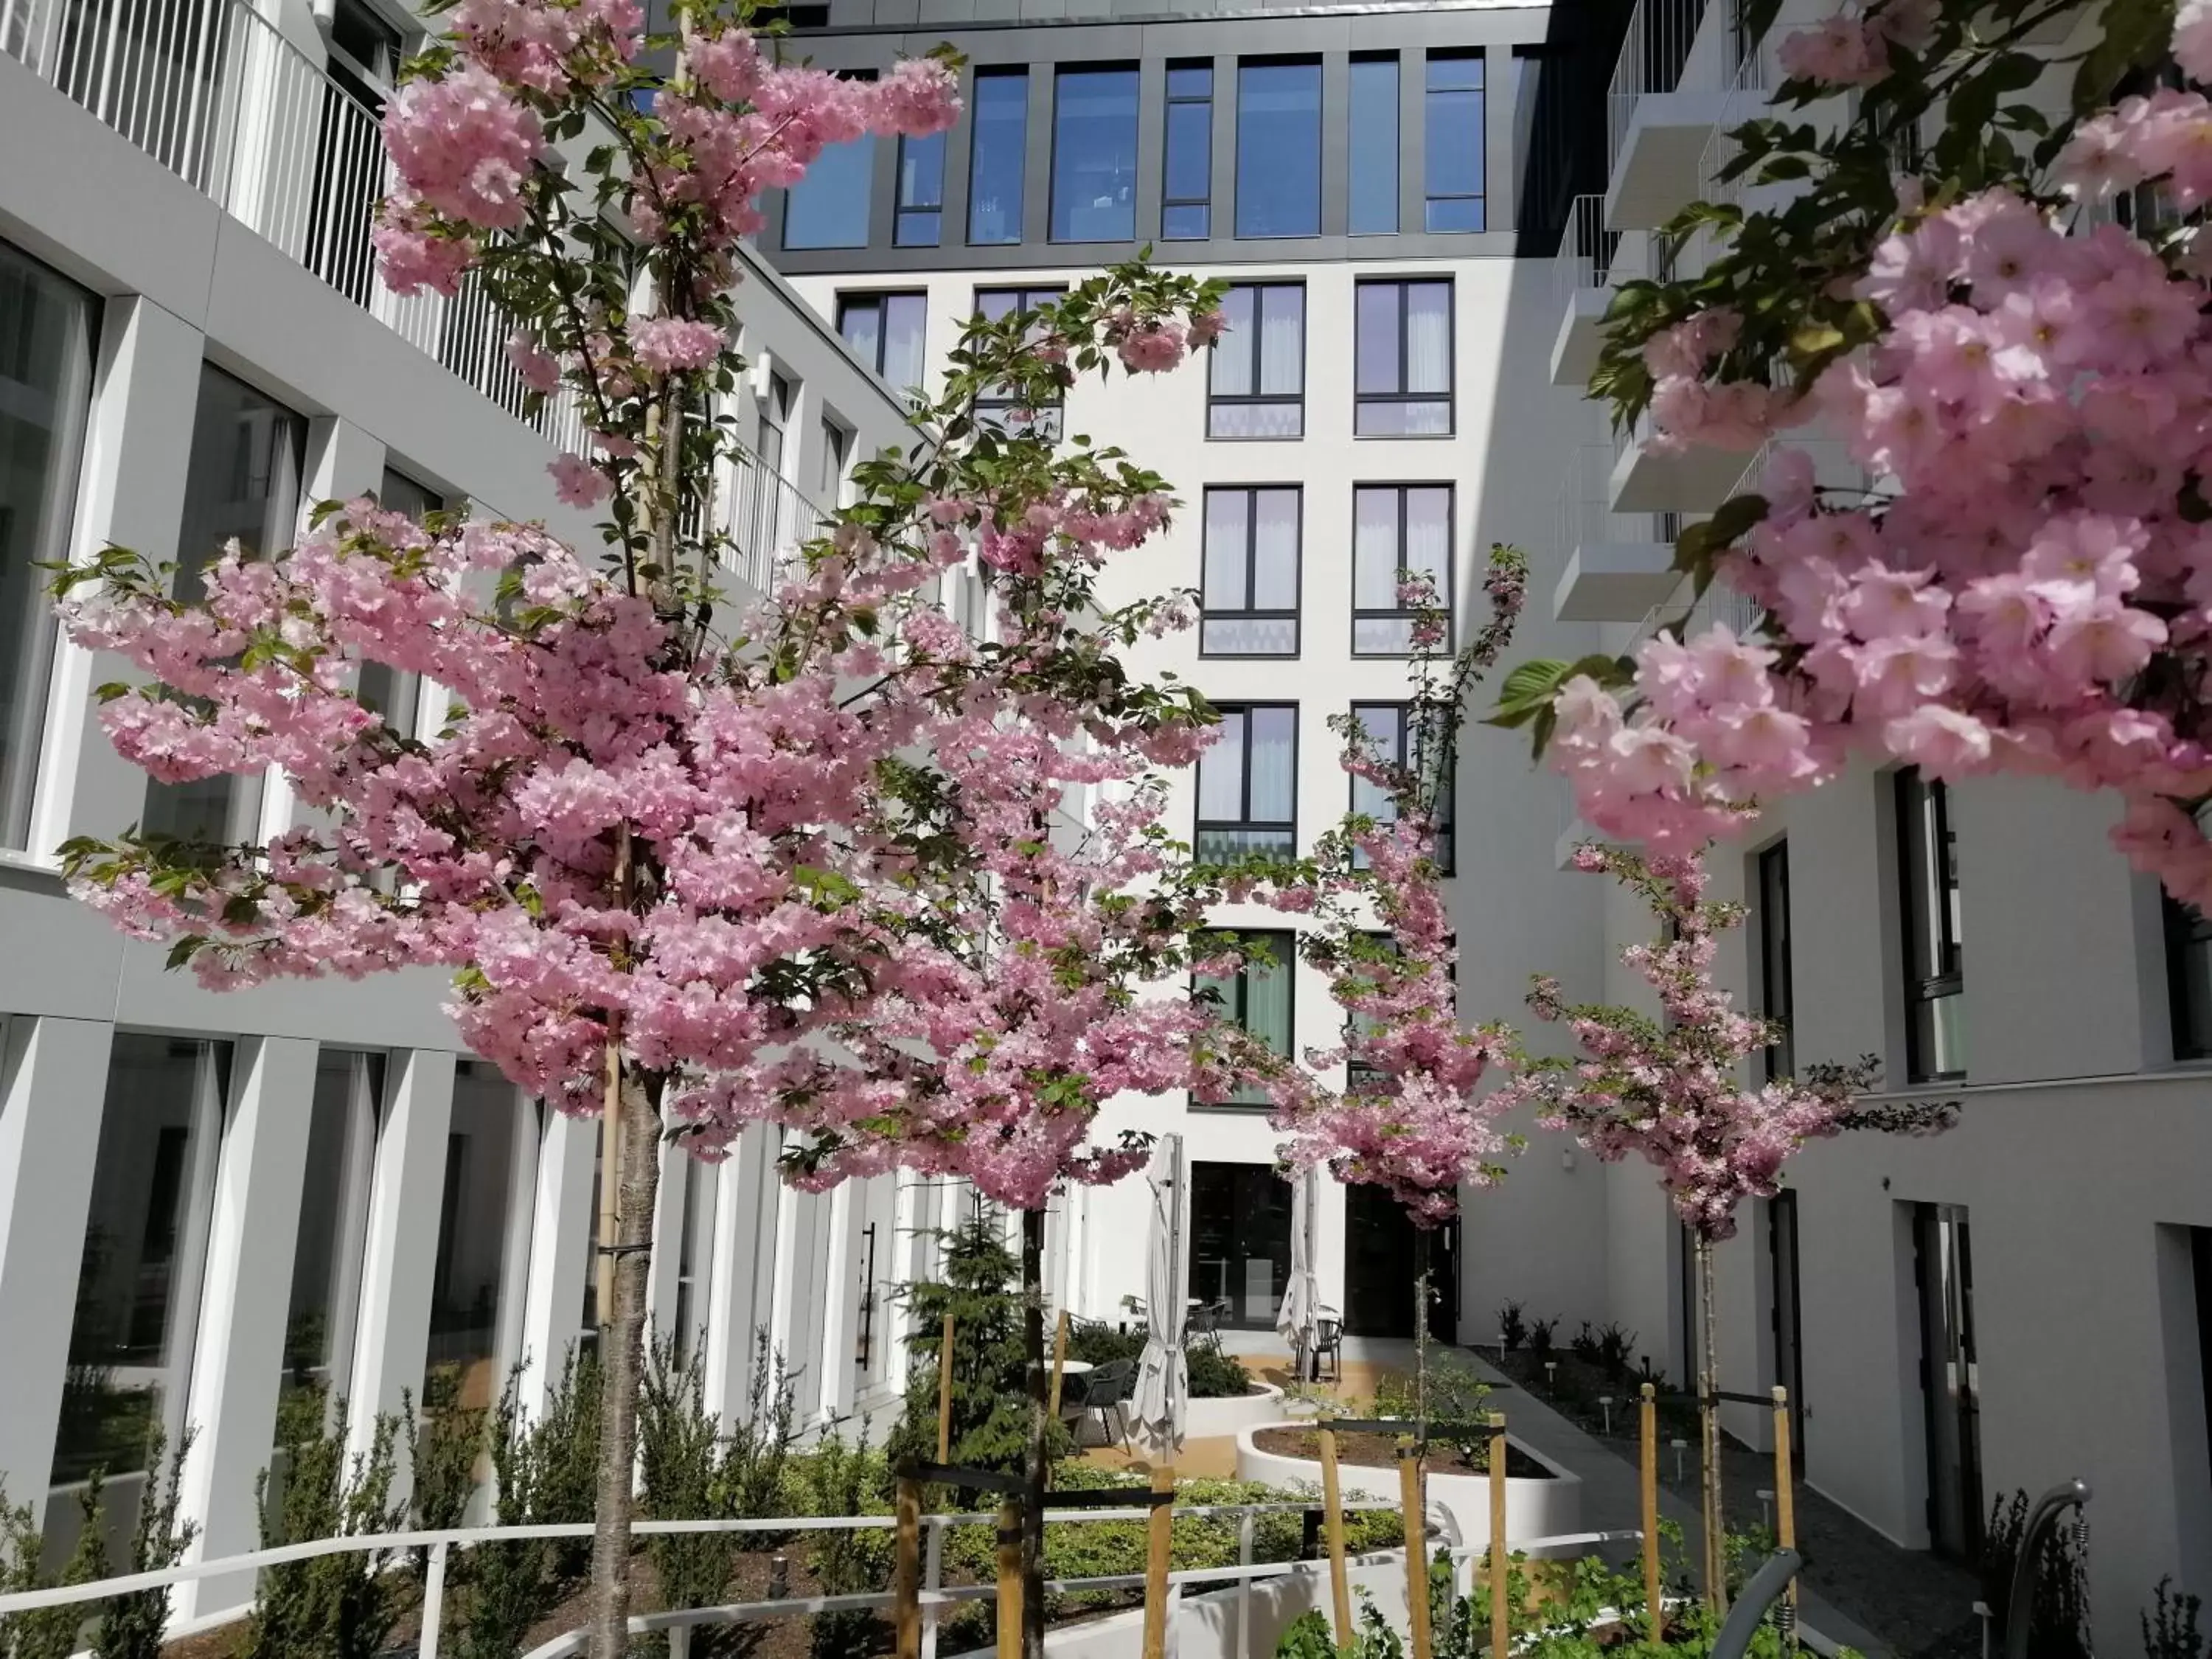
999, 136
1248, 784
1409, 735
326, 1252
1404, 352
1935, 955
469, 1272
1260, 999
1452, 136
1279, 148
1187, 181
1240, 1253
2189, 977
997, 407
921, 214
1250, 605
243, 481
144, 1253
1774, 999
828, 208
402, 494
1372, 209
886, 333
1257, 381
1094, 156
45, 382
1396, 527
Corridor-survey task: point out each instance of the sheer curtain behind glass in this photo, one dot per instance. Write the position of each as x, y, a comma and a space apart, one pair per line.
243, 483
1256, 384
1274, 744
1266, 1012
1403, 375
143, 1255
45, 380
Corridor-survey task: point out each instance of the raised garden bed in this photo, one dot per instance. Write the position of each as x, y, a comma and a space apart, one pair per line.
1545, 1502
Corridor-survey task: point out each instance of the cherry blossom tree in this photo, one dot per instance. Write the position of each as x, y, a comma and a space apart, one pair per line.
1994, 297
660, 835
1670, 1090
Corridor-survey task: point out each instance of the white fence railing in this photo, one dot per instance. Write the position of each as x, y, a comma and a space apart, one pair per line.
1652, 56
1584, 515
213, 91
1587, 248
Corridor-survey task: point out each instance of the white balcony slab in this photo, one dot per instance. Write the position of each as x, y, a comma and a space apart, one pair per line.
1574, 353
1615, 582
1655, 174
1696, 480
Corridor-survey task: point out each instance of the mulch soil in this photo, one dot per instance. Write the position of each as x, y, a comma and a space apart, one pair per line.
1380, 1451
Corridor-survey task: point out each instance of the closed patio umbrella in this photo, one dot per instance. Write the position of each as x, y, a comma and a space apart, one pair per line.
1162, 1375
1302, 1294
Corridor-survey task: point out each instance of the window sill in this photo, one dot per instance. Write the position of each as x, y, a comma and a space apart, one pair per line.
1249, 656
1260, 438
1402, 437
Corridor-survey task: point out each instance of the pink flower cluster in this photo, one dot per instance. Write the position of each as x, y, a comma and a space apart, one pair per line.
1148, 345
2035, 595
1851, 50
670, 345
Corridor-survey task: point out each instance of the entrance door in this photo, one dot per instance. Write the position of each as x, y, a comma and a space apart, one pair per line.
1784, 1315
1944, 1268
1240, 1224
1382, 1260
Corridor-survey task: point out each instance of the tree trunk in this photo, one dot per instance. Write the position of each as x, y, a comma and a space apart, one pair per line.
1421, 1324
1709, 1417
1034, 1466
621, 1342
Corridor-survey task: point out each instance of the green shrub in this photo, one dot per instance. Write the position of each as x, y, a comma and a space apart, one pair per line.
444, 1441
2173, 1634
2059, 1614
46, 1632
544, 1472
332, 1606
1455, 1396
131, 1626
1215, 1375
1102, 1344
839, 1478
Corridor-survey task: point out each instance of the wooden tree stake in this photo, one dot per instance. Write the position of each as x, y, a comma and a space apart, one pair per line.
1058, 1360
1010, 1577
1415, 1515
906, 1582
1785, 1501
1655, 1610
1501, 1610
945, 1395
1331, 1519
1159, 1536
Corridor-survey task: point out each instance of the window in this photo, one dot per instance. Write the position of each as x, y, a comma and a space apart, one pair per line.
997, 408
1094, 156
1250, 606
143, 1255
1396, 527
886, 331
2200, 1274
1407, 735
326, 1253
920, 216
401, 493
828, 208
1373, 207
1259, 998
1248, 783
1256, 382
482, 1148
1935, 971
1278, 148
242, 481
995, 168
1452, 137
45, 386
1186, 177
1240, 1231
774, 421
1359, 1076
1774, 1001
2188, 977
1404, 348
836, 445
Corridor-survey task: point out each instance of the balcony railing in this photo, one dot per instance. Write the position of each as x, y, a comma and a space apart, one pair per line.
768, 518
1585, 517
1652, 56
215, 94
1587, 248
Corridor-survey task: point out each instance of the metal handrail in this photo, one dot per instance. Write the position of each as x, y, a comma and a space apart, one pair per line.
1653, 55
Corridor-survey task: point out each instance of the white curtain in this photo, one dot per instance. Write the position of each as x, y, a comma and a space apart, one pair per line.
1275, 547
1375, 550
1428, 337
1274, 735
1428, 537
1282, 338
1228, 518
1220, 772
1232, 359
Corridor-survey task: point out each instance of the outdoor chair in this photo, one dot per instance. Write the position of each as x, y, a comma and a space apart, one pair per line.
1206, 1321
1110, 1388
1328, 1344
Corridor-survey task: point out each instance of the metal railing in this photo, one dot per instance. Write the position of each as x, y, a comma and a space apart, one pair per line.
1652, 56
1587, 248
767, 518
213, 91
1584, 514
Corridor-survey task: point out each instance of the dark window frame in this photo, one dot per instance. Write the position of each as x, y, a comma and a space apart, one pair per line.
1019, 72
1450, 596
1449, 396
1169, 203
1430, 195
902, 210
851, 299
1207, 612
996, 410
1395, 59
1776, 992
1922, 870
1244, 822
1408, 712
1283, 944
2186, 931
1283, 60
1051, 203
1262, 399
868, 206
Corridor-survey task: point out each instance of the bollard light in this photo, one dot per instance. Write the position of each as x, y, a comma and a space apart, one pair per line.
1679, 1446
1605, 1405
779, 1577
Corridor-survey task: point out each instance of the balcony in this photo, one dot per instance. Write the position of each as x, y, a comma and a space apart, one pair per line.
214, 92
1581, 277
1618, 565
1647, 479
1659, 113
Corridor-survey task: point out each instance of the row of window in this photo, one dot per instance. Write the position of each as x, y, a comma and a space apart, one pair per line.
1403, 352
1092, 168
1247, 780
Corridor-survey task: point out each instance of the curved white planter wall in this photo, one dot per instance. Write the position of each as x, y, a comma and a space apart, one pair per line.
1212, 1418
1533, 1509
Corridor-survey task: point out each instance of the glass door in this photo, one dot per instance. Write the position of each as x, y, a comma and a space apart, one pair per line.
1784, 1315
1240, 1224
1949, 1379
